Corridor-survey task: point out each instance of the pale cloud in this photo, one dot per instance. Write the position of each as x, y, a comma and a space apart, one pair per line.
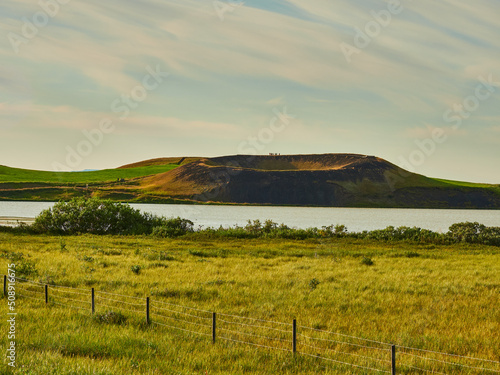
276, 101
427, 59
139, 124
429, 131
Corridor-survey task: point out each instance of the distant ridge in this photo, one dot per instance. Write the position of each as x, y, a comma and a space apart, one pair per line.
342, 180
160, 161
332, 180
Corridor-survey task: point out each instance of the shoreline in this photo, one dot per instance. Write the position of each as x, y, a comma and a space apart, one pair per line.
12, 221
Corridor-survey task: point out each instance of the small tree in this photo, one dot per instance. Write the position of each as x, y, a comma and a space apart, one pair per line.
94, 216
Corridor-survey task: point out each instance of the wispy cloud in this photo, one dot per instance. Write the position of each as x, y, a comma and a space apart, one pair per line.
225, 75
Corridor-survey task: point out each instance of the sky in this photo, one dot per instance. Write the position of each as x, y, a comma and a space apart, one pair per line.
95, 85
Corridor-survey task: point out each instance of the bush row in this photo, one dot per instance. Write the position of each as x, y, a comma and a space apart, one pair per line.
461, 232
96, 216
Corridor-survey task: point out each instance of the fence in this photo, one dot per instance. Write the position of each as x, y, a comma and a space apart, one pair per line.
327, 347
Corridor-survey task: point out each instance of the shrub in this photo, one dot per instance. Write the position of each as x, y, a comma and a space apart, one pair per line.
367, 261
216, 253
26, 268
13, 256
490, 236
173, 228
62, 245
136, 269
465, 232
474, 233
94, 216
111, 317
155, 255
313, 284
269, 226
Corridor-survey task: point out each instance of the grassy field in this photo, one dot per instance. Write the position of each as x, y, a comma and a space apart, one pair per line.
8, 174
442, 298
495, 188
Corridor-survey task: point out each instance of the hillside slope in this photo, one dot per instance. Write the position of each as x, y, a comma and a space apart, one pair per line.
343, 180
339, 180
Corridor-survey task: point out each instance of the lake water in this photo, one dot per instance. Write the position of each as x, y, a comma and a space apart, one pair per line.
356, 219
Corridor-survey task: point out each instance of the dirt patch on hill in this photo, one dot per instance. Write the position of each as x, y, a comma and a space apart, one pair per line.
161, 161
341, 180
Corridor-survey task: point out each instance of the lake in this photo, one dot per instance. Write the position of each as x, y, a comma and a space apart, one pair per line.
356, 219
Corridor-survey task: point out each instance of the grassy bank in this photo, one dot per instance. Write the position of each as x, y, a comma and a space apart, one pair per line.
437, 297
16, 175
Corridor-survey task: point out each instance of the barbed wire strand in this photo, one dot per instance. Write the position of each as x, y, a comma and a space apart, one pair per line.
257, 320
423, 369
181, 329
250, 343
68, 287
72, 299
52, 287
252, 325
29, 281
344, 343
33, 286
452, 355
26, 296
117, 308
251, 334
179, 320
178, 312
345, 363
115, 300
449, 363
341, 334
66, 305
346, 353
184, 307
32, 291
118, 295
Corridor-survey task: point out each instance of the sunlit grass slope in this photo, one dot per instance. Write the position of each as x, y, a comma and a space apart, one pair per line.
8, 174
441, 298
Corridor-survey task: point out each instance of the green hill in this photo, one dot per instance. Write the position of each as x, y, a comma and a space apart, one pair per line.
339, 180
8, 174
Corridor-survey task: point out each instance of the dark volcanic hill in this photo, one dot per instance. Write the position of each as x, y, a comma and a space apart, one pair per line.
341, 180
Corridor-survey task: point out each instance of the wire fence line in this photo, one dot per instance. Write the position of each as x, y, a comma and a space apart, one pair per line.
316, 344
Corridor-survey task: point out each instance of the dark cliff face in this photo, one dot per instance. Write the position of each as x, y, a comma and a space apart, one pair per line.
339, 180
284, 187
446, 198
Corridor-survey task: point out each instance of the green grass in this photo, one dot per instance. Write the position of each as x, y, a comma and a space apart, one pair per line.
435, 297
495, 188
8, 174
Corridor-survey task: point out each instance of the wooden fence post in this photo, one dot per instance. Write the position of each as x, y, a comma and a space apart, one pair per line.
393, 360
5, 285
93, 301
214, 327
46, 294
147, 310
294, 342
